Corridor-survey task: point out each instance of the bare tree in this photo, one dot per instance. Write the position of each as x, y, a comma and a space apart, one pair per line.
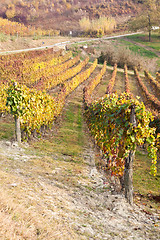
149, 17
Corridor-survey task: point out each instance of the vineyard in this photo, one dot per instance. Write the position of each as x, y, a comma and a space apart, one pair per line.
37, 87
19, 29
27, 82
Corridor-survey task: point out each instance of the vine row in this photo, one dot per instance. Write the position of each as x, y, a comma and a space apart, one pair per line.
153, 82
48, 70
112, 80
92, 84
19, 70
109, 122
50, 82
78, 79
37, 109
127, 88
151, 98
45, 54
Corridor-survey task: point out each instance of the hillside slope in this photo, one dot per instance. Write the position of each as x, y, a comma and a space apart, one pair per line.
53, 190
64, 14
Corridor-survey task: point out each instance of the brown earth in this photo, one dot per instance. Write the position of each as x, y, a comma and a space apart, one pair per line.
30, 42
65, 15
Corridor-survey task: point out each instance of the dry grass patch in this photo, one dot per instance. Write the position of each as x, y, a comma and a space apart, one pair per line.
35, 200
119, 83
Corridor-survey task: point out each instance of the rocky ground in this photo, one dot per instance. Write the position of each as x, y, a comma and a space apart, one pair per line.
89, 209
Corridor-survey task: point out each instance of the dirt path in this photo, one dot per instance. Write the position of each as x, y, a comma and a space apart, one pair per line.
29, 44
51, 189
119, 86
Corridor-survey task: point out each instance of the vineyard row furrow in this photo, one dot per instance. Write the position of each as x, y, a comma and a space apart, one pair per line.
87, 91
50, 71
127, 87
112, 80
37, 109
51, 82
21, 71
147, 104
153, 82
155, 102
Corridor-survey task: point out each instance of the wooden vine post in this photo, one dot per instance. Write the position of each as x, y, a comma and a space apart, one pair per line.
17, 122
119, 123
128, 172
18, 129
14, 101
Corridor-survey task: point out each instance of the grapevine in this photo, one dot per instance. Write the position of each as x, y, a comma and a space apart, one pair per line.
36, 108
109, 122
92, 84
79, 78
46, 69
112, 80
54, 80
26, 70
3, 98
151, 98
158, 77
153, 82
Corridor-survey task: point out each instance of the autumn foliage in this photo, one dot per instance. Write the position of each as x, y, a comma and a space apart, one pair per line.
151, 98
92, 84
26, 95
19, 29
97, 27
112, 80
109, 122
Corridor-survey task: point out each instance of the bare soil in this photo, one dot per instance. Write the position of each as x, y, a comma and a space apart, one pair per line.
30, 42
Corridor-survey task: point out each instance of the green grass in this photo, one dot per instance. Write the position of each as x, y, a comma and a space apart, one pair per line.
143, 38
158, 63
3, 37
143, 180
145, 185
68, 139
138, 50
7, 129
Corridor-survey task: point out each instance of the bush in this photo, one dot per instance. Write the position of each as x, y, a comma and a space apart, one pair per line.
122, 56
97, 27
3, 37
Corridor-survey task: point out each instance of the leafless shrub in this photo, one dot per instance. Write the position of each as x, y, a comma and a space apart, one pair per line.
122, 55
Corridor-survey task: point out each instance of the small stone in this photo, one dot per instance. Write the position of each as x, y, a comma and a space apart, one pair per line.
8, 144
15, 144
88, 230
93, 172
13, 184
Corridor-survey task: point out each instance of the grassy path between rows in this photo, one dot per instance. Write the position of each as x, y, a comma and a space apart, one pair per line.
143, 45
